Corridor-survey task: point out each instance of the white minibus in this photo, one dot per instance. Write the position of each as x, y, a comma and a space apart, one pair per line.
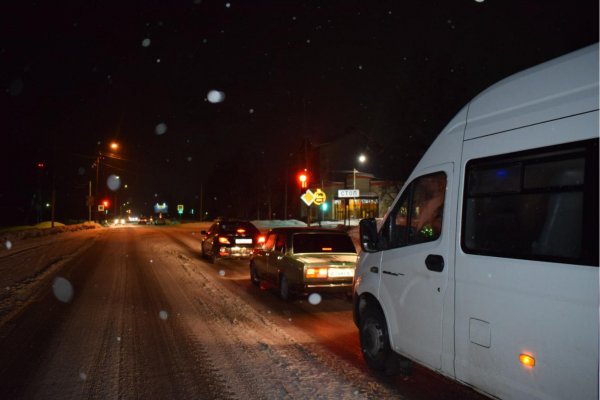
485, 267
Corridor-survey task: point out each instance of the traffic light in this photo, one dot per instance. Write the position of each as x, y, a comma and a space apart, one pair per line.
303, 179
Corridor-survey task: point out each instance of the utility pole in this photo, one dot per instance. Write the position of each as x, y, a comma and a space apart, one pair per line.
201, 202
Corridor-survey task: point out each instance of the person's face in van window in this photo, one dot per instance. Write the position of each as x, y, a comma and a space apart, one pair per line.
428, 203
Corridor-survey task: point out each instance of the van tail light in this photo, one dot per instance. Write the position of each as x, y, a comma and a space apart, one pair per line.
316, 272
527, 360
223, 240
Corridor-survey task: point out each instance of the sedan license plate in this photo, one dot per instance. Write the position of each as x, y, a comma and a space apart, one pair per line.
243, 241
340, 272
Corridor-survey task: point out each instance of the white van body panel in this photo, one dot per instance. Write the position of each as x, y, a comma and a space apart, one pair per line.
564, 86
491, 309
545, 309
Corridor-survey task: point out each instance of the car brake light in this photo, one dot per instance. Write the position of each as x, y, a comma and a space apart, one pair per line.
241, 230
261, 239
326, 249
223, 240
316, 272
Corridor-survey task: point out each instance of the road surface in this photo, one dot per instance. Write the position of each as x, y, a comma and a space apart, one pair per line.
133, 312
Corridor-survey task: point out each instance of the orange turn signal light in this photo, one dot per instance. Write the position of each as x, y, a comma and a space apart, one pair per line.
527, 360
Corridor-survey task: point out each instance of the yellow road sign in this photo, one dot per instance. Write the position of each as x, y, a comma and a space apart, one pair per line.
320, 197
308, 197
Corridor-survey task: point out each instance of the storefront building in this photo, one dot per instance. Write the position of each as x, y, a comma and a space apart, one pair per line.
360, 196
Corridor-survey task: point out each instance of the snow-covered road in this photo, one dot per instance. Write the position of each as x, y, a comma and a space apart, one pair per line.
136, 314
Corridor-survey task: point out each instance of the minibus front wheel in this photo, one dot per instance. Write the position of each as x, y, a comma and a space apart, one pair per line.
374, 340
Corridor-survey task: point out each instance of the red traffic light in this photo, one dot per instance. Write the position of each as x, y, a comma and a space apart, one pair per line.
106, 203
303, 179
40, 165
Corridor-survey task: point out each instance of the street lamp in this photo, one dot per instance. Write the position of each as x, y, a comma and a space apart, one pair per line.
114, 146
361, 159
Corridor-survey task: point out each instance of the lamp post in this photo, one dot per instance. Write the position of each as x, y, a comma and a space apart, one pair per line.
361, 159
113, 146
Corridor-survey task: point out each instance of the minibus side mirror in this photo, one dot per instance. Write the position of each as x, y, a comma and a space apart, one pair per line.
368, 235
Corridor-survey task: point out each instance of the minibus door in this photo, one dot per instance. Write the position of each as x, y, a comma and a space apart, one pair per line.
414, 265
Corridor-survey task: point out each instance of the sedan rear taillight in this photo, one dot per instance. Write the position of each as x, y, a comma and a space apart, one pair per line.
321, 272
223, 240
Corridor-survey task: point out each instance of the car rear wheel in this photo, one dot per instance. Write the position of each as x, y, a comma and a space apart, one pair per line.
214, 258
374, 340
254, 275
284, 288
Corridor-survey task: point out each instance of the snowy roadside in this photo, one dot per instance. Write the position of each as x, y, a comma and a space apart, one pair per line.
29, 258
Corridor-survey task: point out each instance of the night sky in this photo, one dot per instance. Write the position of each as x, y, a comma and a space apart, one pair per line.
375, 77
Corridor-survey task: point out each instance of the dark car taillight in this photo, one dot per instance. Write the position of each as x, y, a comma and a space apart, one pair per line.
224, 240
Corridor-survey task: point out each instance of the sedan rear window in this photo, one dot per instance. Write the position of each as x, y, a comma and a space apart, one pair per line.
239, 227
322, 243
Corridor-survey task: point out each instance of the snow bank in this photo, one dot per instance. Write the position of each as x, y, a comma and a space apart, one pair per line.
266, 224
44, 229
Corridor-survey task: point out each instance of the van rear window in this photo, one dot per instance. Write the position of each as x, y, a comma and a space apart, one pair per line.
540, 205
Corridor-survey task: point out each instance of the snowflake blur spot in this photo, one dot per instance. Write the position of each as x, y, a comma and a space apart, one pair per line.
81, 171
8, 244
222, 272
82, 376
113, 182
215, 96
163, 315
161, 129
227, 5
151, 261
158, 60
62, 289
314, 298
251, 111
189, 158
146, 42
118, 338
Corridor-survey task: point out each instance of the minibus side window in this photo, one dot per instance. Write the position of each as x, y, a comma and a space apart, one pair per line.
417, 216
538, 205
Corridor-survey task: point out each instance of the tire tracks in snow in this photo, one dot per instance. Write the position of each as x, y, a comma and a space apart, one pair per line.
258, 358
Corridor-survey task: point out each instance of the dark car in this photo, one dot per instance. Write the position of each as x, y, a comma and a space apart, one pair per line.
305, 260
229, 239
